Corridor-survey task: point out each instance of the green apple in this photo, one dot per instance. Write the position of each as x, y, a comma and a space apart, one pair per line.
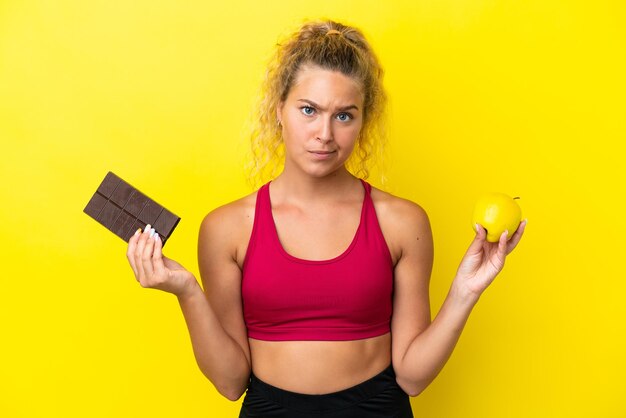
497, 212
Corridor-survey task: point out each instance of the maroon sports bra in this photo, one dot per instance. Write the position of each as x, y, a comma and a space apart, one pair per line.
286, 298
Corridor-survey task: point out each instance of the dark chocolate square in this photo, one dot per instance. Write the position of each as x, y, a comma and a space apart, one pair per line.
166, 222
108, 185
95, 205
109, 214
121, 194
136, 203
150, 212
138, 225
123, 209
122, 225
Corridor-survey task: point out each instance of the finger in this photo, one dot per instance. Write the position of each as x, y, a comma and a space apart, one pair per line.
479, 239
498, 256
141, 243
132, 245
146, 256
502, 244
515, 239
157, 256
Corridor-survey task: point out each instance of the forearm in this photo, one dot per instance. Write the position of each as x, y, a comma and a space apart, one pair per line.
431, 349
219, 357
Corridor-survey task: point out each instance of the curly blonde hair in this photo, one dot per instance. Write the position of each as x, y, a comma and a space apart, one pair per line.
329, 45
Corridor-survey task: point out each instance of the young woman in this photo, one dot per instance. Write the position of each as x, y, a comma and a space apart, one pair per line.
316, 286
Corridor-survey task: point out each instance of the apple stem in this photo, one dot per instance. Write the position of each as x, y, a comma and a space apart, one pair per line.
516, 198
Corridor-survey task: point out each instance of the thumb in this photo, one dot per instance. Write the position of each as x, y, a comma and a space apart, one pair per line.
172, 264
479, 239
158, 254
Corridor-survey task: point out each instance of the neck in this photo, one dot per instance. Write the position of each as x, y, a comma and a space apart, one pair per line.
303, 187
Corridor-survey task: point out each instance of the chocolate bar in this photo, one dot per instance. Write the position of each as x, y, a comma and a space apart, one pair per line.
123, 209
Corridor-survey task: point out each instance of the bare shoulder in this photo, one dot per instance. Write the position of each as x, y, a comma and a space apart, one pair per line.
228, 227
402, 221
395, 211
231, 213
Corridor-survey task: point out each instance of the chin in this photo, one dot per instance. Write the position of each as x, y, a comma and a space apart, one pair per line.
319, 169
319, 172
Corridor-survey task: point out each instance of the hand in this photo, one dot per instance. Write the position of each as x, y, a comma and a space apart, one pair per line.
152, 269
483, 261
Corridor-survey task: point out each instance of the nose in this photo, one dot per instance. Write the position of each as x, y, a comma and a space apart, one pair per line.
325, 133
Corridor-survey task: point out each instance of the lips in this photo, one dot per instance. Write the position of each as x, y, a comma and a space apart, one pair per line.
321, 154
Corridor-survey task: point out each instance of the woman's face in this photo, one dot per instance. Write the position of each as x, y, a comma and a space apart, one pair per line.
321, 120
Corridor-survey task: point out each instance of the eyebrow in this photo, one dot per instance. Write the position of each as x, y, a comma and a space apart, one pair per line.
320, 107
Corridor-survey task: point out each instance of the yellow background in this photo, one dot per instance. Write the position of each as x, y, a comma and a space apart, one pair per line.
522, 97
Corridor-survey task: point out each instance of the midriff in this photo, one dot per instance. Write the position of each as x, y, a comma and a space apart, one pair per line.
319, 367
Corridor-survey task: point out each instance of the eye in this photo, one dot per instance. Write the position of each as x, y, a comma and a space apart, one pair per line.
344, 117
307, 110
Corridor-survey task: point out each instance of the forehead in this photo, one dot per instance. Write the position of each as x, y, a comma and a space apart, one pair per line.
325, 85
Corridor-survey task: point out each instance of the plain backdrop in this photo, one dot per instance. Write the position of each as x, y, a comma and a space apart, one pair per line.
521, 97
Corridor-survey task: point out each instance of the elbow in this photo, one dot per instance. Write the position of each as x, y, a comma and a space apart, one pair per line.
232, 393
230, 386
414, 392
233, 389
411, 388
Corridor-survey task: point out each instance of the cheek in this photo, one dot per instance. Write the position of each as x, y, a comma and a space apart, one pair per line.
294, 137
294, 133
350, 135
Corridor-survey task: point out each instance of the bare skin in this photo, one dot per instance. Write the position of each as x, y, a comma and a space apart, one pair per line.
317, 198
328, 365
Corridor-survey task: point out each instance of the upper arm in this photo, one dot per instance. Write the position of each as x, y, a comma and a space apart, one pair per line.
219, 243
411, 239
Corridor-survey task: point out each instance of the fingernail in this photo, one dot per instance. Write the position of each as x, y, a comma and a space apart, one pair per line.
476, 227
137, 232
151, 232
156, 236
147, 229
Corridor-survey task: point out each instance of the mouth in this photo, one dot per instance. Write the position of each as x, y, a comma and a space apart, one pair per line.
321, 154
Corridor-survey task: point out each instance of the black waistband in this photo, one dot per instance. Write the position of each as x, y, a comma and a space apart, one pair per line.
331, 401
